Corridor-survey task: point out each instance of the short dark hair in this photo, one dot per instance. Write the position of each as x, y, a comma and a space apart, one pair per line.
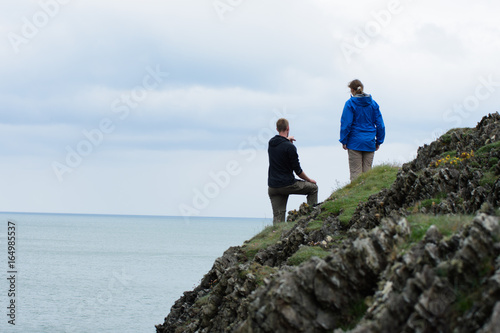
281, 125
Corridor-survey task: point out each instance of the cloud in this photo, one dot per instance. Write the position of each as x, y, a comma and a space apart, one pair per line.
429, 66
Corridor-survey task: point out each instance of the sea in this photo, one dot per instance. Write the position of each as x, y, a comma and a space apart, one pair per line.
105, 273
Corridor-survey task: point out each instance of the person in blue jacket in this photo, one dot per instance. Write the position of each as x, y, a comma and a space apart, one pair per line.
362, 129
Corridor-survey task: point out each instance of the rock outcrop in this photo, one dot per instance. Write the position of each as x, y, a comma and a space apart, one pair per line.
375, 274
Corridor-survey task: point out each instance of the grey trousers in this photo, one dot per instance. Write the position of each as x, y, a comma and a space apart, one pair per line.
359, 161
279, 197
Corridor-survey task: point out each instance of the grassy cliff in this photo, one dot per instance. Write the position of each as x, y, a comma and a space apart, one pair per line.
414, 248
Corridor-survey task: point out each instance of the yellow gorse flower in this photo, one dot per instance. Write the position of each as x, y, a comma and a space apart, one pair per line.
452, 161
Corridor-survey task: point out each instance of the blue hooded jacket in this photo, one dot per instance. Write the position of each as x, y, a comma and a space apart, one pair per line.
361, 125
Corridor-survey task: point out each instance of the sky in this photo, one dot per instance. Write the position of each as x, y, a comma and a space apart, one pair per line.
166, 107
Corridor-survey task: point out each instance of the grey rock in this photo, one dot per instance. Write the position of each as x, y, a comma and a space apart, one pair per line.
415, 289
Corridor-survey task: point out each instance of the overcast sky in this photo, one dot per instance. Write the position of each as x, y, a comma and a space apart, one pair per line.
165, 107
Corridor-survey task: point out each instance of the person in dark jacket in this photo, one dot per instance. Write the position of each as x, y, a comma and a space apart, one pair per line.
283, 162
362, 129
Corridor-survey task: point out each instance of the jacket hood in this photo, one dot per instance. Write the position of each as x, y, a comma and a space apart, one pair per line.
362, 99
277, 140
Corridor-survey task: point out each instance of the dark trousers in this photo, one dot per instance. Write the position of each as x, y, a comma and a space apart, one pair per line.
279, 197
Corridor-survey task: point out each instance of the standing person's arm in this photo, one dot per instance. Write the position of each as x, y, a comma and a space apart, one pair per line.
345, 124
379, 123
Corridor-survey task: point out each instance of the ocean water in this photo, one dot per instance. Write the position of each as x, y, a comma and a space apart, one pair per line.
106, 273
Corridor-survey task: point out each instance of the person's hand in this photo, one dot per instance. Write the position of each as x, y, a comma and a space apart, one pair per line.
291, 138
312, 181
377, 147
344, 146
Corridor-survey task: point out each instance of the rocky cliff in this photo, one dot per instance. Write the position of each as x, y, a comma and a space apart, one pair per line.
419, 255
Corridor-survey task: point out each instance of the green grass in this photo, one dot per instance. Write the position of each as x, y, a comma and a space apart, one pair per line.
470, 293
314, 225
305, 253
463, 303
485, 150
269, 236
344, 201
475, 165
464, 130
489, 178
447, 225
260, 272
355, 313
427, 203
446, 138
451, 153
202, 300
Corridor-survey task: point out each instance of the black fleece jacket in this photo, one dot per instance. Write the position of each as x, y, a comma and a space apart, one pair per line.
283, 161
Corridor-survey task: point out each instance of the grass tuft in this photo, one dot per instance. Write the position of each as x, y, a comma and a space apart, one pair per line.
485, 150
314, 225
305, 253
260, 272
356, 312
269, 236
343, 202
447, 225
489, 178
